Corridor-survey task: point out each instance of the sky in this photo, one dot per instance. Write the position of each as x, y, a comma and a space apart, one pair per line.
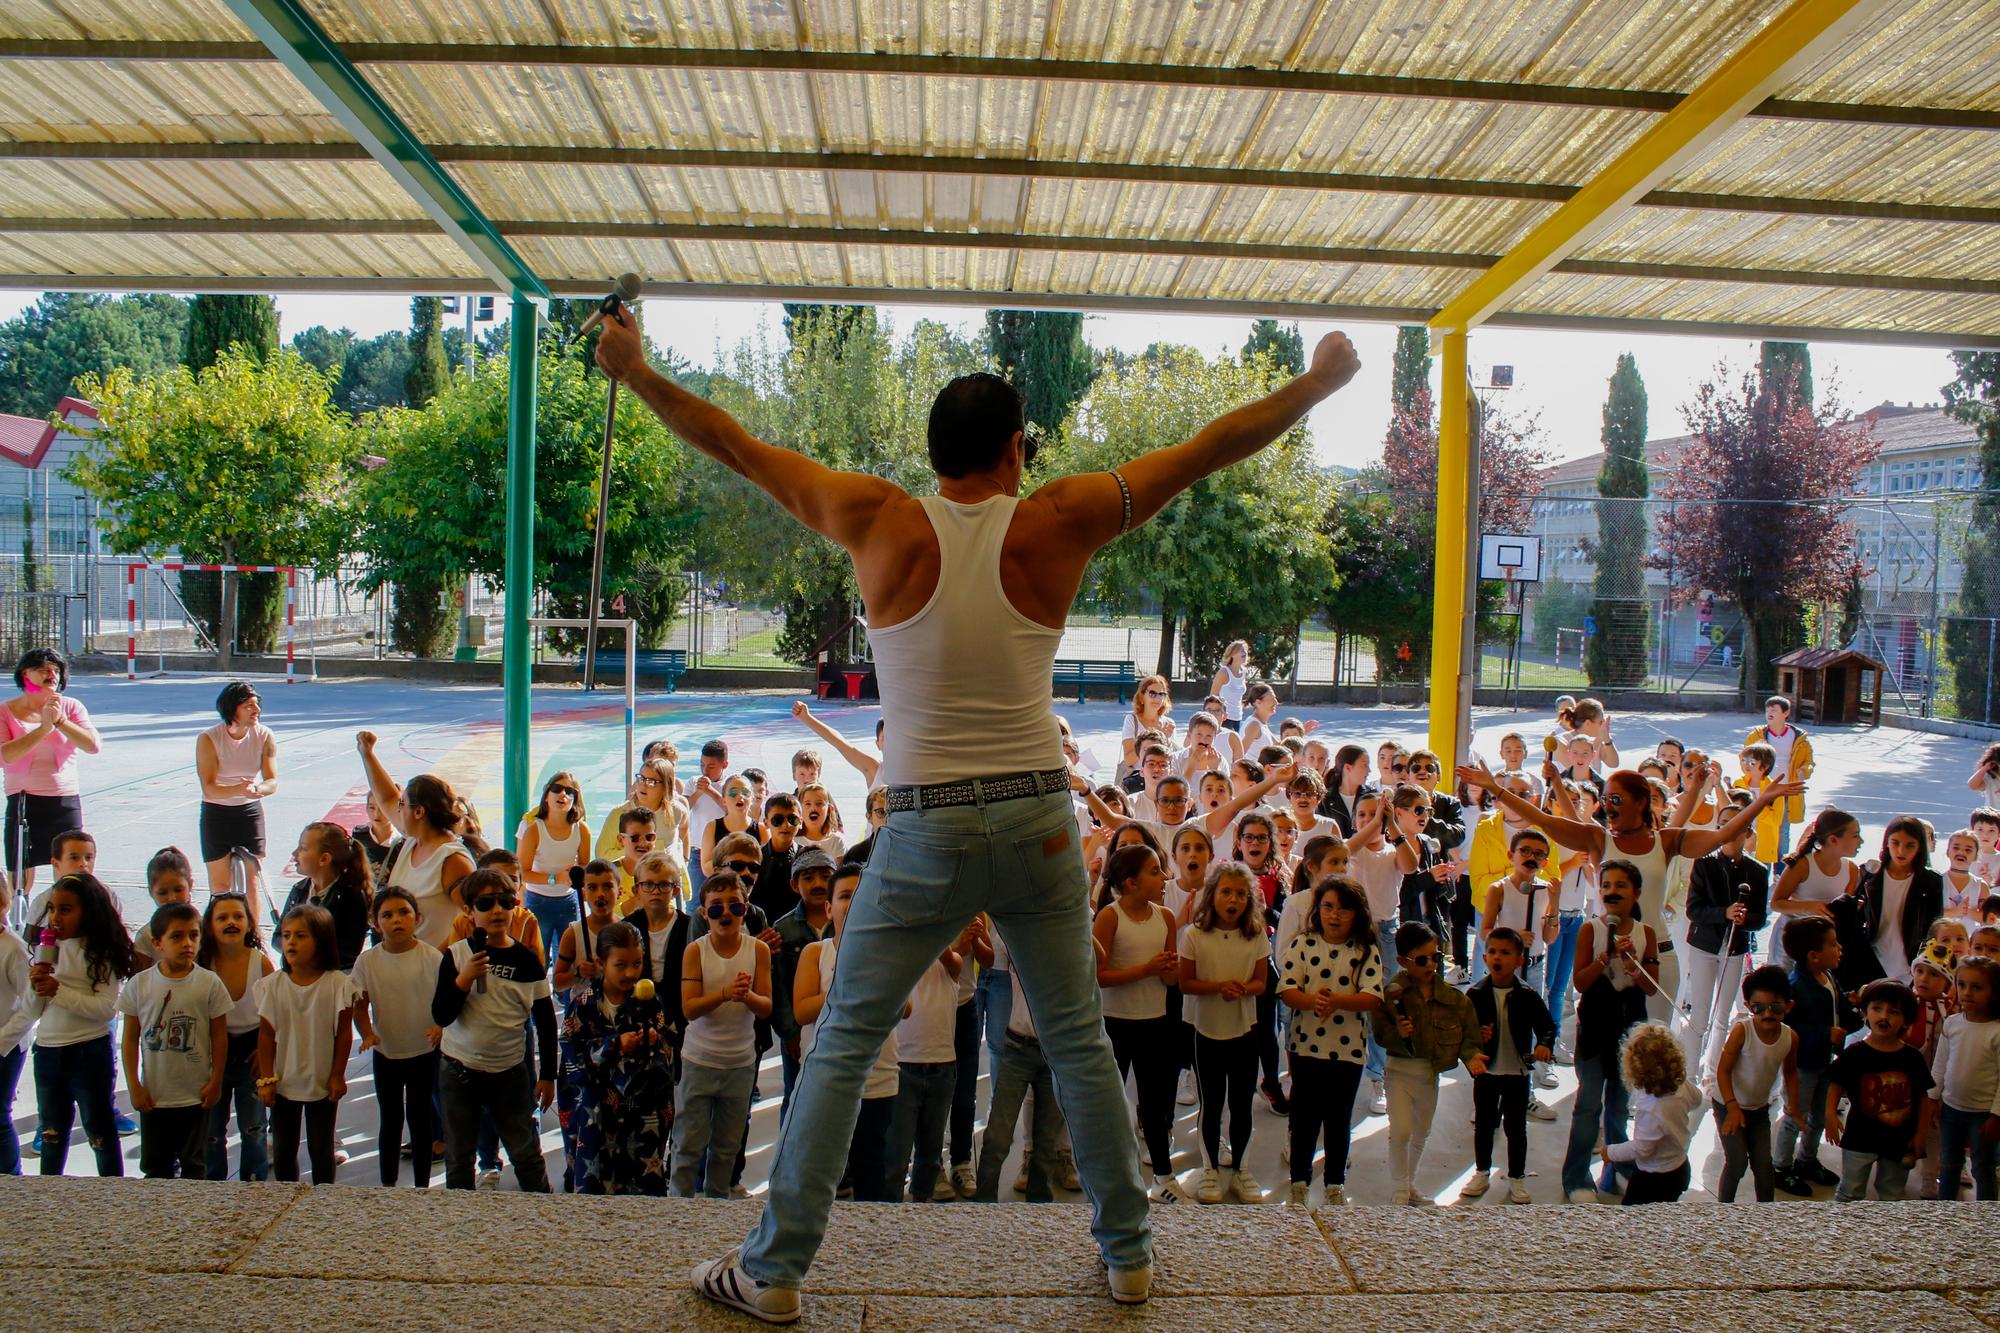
1559, 378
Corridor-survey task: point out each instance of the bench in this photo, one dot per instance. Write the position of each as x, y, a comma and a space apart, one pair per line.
647, 663
1083, 672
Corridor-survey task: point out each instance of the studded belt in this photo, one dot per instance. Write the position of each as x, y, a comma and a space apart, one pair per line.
979, 791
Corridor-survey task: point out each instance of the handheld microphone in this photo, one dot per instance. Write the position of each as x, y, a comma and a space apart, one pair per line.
626, 288
582, 912
478, 941
46, 947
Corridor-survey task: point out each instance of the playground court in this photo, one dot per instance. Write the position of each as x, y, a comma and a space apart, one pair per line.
139, 795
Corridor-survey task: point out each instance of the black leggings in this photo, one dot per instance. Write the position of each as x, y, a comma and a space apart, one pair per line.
1322, 1104
318, 1116
1146, 1047
1267, 1026
1461, 922
405, 1086
1658, 1186
1500, 1100
1226, 1072
964, 1091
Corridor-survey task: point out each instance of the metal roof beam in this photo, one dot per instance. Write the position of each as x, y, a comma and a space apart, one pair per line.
1803, 32
295, 38
1249, 77
990, 168
729, 233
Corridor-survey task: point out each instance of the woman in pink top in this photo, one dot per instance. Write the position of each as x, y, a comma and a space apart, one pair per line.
237, 762
43, 729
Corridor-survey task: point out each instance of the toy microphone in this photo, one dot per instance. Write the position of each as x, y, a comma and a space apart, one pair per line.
478, 941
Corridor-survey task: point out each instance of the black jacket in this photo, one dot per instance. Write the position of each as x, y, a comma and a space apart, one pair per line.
1922, 905
670, 988
1816, 1012
1527, 1018
1447, 824
1711, 890
350, 916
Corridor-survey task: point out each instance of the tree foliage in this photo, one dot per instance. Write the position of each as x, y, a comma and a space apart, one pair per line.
1410, 368
217, 323
64, 335
1758, 439
1044, 355
428, 370
1282, 343
1616, 654
1974, 397
1244, 553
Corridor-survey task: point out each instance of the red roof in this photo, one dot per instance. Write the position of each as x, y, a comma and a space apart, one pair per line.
25, 441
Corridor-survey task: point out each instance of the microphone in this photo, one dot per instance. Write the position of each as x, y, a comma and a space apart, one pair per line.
478, 940
626, 288
47, 948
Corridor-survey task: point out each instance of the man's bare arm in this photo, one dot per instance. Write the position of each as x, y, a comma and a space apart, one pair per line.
1090, 503
837, 505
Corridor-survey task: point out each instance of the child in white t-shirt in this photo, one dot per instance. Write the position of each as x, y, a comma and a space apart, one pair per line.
306, 1011
1224, 967
395, 981
176, 1046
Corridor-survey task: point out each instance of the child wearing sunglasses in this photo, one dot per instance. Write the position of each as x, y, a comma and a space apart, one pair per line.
1760, 1060
725, 989
1425, 1027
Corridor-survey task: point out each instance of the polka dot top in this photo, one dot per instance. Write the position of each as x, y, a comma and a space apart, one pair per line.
1312, 963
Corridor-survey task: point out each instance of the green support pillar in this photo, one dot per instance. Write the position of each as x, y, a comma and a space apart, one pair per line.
516, 664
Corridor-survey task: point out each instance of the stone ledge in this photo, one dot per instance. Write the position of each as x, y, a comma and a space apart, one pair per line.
159, 1226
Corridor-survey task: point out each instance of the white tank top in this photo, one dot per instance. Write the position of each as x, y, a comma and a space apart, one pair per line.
1643, 940
966, 681
237, 758
726, 1036
420, 878
1523, 910
553, 857
1231, 692
243, 1016
1652, 866
885, 1076
1133, 943
1820, 887
1754, 1080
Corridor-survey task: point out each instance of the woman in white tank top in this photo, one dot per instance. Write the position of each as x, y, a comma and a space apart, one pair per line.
1819, 871
236, 762
551, 840
1229, 680
429, 860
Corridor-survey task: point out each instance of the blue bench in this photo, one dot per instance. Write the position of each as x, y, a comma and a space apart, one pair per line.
1083, 672
648, 663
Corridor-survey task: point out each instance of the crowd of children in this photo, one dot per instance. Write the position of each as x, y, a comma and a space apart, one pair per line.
1271, 913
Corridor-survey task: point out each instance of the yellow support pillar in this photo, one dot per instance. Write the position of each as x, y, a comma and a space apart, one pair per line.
1451, 684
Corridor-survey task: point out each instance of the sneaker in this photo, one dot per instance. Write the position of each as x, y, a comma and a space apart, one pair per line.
1419, 1199
1245, 1189
1582, 1194
488, 1180
340, 1157
1517, 1191
946, 1188
1168, 1189
1544, 1077
1336, 1196
1817, 1173
126, 1124
1458, 976
1564, 1055
964, 1181
1295, 1194
1208, 1187
1378, 1101
1187, 1096
1400, 1196
725, 1283
1274, 1093
1066, 1169
1476, 1185
1538, 1111
1130, 1286
1792, 1183
1021, 1178
738, 1191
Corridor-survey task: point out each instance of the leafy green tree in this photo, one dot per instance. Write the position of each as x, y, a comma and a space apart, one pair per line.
1974, 397
1616, 654
1042, 353
217, 323
1282, 343
428, 371
247, 462
1558, 605
1410, 368
1244, 553
326, 349
375, 374
65, 334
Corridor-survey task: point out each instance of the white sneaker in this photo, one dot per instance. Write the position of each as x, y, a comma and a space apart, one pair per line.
1188, 1096
1543, 1076
946, 1188
1517, 1191
1066, 1169
488, 1180
1021, 1179
1245, 1188
1378, 1102
1130, 1286
1538, 1111
1477, 1184
1336, 1196
1208, 1188
1583, 1195
1295, 1194
964, 1181
1168, 1189
723, 1282
1564, 1055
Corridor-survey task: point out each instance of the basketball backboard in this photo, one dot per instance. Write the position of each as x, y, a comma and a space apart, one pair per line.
1506, 555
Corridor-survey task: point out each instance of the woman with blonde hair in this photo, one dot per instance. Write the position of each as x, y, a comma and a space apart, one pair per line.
1150, 702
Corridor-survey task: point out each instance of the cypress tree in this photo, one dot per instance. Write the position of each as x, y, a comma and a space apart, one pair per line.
1410, 372
217, 322
1616, 654
1044, 355
1282, 343
428, 371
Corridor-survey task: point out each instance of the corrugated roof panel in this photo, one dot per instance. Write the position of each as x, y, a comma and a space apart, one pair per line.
1921, 53
433, 20
1762, 240
1639, 298
243, 256
120, 102
154, 20
1885, 163
241, 190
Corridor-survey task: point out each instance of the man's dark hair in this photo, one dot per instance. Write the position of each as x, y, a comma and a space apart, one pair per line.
972, 418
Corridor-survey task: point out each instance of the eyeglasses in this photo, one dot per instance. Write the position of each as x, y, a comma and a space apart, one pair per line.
717, 911
486, 902
782, 821
1770, 1007
654, 885
1171, 800
743, 867
560, 790
1253, 837
1420, 959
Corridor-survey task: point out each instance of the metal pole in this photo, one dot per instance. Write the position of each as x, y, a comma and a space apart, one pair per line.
1931, 652
1448, 583
1992, 642
516, 674
597, 550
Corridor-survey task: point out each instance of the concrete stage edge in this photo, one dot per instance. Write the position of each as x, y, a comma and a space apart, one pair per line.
126, 1253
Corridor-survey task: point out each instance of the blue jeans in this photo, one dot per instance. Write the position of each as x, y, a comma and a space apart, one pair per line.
1385, 939
1784, 836
239, 1088
1561, 960
10, 1079
1602, 1101
1958, 1135
1795, 1143
1892, 1176
1019, 1069
711, 1111
1478, 946
553, 914
929, 873
916, 1137
72, 1082
995, 997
